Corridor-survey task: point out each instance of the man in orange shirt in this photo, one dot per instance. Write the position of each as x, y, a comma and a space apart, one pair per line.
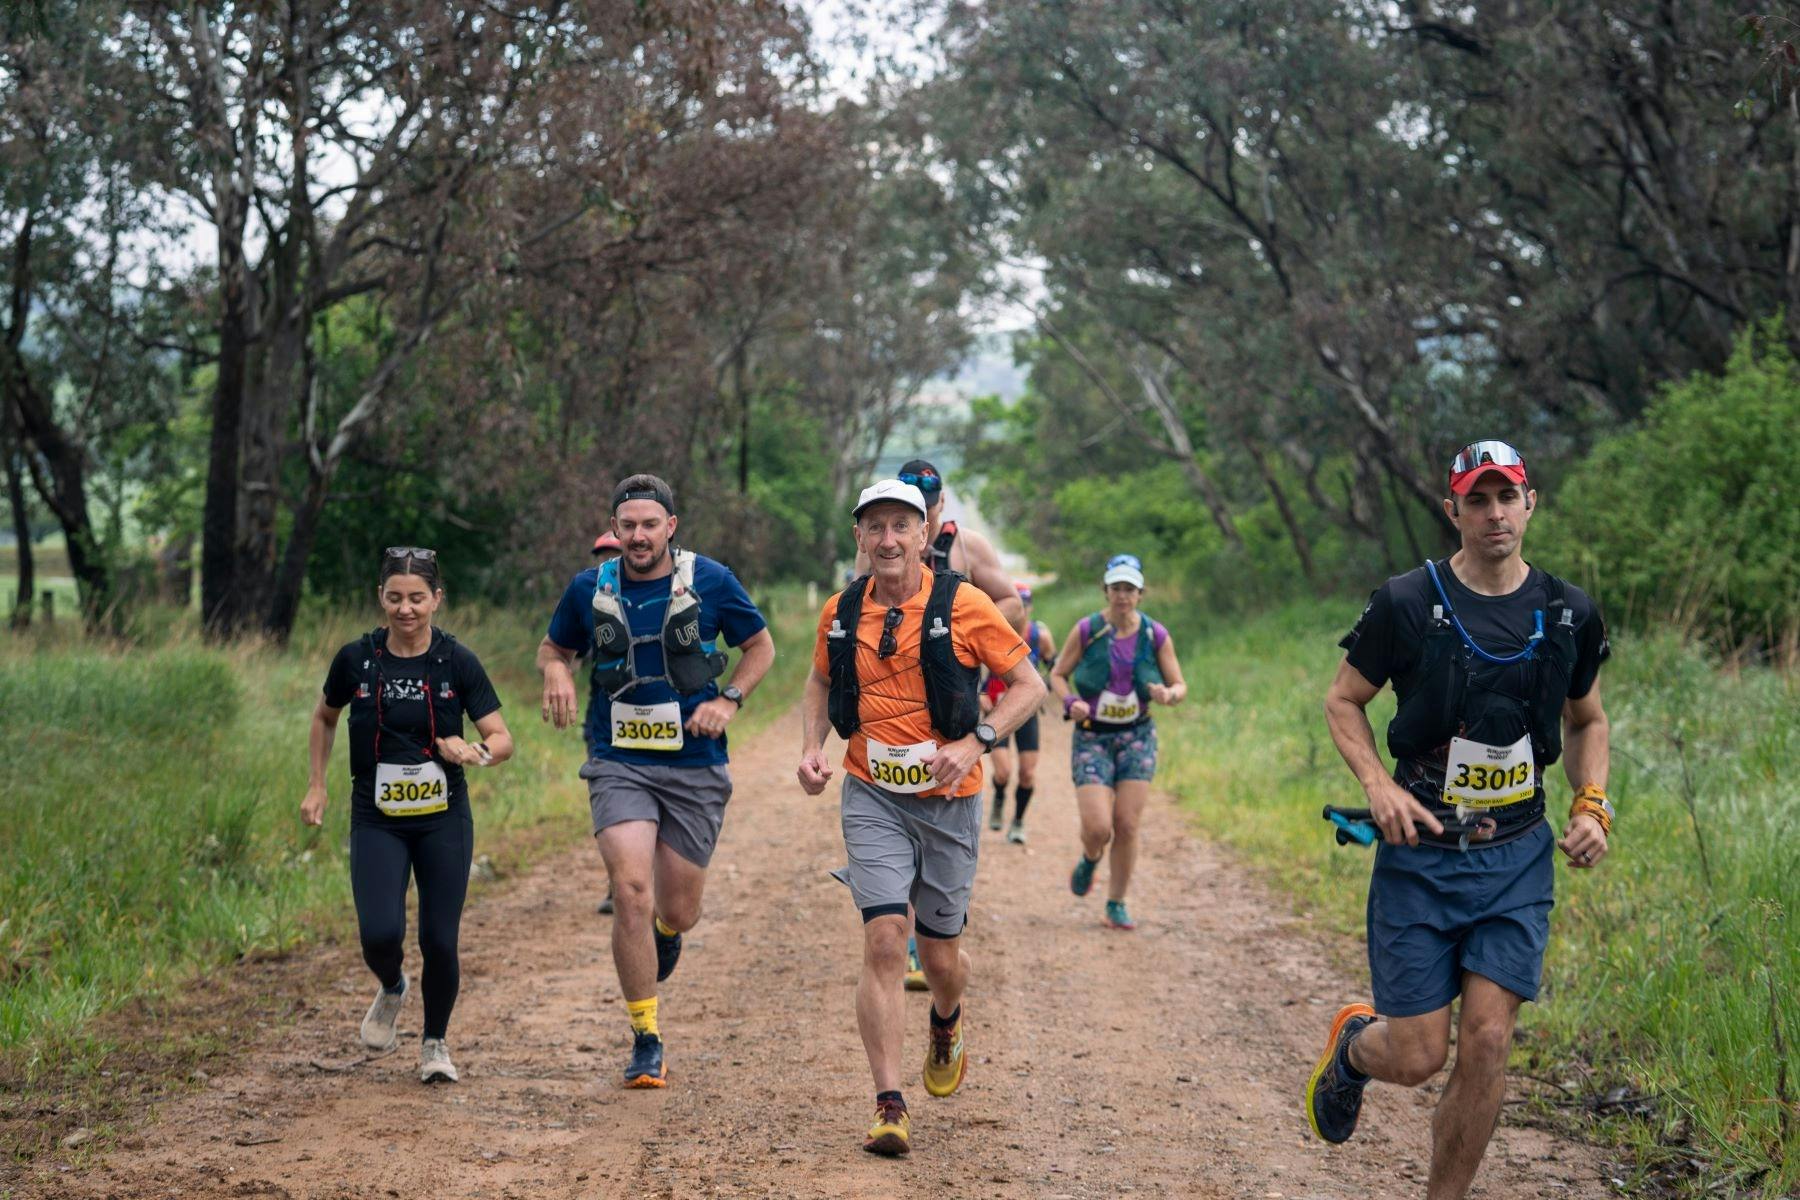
895, 672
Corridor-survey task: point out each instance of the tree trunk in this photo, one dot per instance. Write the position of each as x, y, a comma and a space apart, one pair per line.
175, 571
1412, 541
15, 496
290, 577
1302, 546
220, 610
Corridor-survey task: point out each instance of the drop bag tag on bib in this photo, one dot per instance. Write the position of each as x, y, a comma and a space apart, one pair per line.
902, 768
411, 790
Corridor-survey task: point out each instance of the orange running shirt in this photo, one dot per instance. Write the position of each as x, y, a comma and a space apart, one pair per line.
893, 688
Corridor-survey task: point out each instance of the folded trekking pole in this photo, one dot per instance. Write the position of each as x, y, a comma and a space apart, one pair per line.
1358, 825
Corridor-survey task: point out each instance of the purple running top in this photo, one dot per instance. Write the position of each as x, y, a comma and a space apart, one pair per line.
1124, 651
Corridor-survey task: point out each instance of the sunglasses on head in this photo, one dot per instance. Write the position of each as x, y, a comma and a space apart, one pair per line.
1485, 454
419, 552
889, 623
925, 483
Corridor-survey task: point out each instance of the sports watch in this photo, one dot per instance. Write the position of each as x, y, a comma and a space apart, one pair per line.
984, 733
733, 693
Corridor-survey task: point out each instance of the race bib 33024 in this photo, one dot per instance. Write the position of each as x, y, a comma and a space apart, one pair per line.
901, 768
411, 791
647, 726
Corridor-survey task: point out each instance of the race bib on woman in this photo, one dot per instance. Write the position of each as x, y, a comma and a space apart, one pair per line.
902, 768
647, 726
411, 791
1482, 776
1113, 709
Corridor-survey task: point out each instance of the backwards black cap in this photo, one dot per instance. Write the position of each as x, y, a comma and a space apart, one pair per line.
644, 487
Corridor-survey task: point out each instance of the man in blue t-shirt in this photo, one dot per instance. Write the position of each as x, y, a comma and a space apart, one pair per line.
657, 782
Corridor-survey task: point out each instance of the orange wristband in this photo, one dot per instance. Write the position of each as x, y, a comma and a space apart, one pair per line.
1590, 800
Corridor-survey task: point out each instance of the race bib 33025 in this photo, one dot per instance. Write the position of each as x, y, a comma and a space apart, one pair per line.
647, 726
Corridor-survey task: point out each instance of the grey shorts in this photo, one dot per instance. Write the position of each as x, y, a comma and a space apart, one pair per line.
687, 803
908, 850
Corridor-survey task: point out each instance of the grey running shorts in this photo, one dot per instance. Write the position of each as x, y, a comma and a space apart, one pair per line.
687, 803
905, 849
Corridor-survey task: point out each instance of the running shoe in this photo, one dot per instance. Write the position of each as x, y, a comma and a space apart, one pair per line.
1015, 833
606, 905
1117, 916
997, 814
891, 1134
1082, 878
434, 1062
945, 1062
646, 1069
668, 953
378, 1032
1333, 1094
915, 970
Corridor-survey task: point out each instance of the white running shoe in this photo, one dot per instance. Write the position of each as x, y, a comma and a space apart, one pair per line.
378, 1032
434, 1062
1016, 834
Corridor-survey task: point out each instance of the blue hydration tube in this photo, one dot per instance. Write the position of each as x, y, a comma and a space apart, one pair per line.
1531, 644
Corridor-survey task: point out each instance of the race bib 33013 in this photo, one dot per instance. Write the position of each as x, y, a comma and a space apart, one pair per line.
1478, 775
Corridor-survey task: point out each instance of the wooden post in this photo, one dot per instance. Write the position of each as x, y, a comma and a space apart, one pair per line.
49, 607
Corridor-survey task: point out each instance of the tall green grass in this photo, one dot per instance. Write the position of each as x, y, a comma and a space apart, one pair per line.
1673, 968
151, 806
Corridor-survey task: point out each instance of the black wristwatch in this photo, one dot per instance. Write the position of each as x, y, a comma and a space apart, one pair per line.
734, 694
984, 733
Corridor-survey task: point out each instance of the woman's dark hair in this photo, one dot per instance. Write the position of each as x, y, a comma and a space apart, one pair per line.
411, 560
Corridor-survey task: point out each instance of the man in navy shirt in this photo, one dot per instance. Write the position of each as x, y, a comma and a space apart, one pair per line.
656, 770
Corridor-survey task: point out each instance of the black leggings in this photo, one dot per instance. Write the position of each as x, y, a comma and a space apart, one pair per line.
439, 860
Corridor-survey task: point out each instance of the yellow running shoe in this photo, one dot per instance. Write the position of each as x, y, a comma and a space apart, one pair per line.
945, 1062
915, 970
891, 1134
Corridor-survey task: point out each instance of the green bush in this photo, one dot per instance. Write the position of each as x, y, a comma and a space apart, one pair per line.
1690, 517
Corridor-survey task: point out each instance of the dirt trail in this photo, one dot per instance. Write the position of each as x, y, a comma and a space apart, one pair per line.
1166, 1062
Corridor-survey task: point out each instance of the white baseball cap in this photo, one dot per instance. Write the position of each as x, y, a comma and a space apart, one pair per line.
891, 490
1124, 568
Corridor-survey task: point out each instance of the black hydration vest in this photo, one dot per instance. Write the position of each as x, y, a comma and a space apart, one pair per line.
1452, 690
938, 554
950, 688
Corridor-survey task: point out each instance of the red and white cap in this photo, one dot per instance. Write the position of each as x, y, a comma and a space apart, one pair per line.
1478, 458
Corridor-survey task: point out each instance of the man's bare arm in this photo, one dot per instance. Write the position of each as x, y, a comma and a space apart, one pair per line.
991, 576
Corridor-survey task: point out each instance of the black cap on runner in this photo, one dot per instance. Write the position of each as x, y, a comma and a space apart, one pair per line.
644, 487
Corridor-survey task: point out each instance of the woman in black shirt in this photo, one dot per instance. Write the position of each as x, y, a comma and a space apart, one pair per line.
408, 686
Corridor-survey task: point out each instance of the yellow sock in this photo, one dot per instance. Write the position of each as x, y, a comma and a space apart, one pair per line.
643, 1016
664, 929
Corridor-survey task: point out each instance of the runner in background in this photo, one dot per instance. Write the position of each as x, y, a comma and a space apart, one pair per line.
1042, 645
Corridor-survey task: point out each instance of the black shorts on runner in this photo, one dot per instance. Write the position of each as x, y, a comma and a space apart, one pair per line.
1027, 735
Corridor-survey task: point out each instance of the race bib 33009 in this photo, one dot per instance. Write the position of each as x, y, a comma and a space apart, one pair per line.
901, 768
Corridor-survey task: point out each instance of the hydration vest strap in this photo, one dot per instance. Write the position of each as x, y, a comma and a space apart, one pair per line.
1531, 644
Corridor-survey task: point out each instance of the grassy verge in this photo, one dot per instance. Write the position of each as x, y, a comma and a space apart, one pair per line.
153, 835
1672, 969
